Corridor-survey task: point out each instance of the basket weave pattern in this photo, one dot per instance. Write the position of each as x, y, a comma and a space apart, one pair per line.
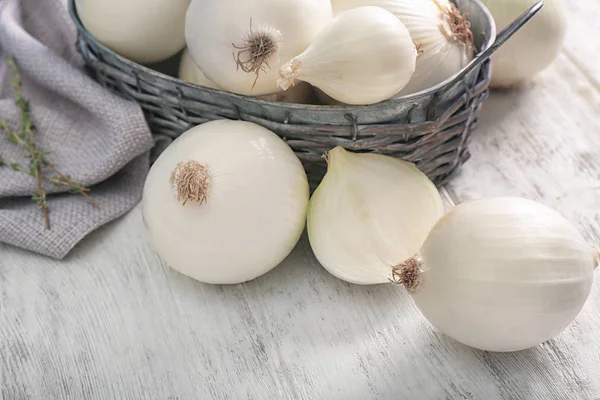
430, 130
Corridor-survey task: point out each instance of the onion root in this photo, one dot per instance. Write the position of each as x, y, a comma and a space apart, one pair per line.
408, 273
257, 48
460, 27
191, 182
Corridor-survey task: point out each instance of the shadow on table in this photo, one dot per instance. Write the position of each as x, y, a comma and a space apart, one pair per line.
500, 105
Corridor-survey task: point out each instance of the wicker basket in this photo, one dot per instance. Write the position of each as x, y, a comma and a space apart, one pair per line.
430, 128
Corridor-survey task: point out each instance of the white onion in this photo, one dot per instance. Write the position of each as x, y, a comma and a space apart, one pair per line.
501, 274
189, 71
364, 56
225, 202
240, 45
325, 99
301, 93
533, 48
144, 31
442, 36
370, 212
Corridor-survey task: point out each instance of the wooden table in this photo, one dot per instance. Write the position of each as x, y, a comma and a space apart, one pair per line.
112, 322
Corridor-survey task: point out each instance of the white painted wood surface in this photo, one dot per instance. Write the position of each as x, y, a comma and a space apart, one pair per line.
111, 322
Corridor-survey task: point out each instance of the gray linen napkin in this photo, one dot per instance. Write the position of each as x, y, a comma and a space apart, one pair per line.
98, 139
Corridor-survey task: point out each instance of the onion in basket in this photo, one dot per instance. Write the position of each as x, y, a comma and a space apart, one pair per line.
189, 72
144, 31
500, 274
364, 56
225, 202
240, 45
440, 32
533, 48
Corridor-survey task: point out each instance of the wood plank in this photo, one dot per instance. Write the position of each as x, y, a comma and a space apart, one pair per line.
112, 322
128, 327
541, 143
582, 43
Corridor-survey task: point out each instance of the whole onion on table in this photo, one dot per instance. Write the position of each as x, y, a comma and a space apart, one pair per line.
225, 202
533, 48
498, 274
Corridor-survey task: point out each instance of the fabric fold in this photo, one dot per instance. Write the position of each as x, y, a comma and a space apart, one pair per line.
95, 137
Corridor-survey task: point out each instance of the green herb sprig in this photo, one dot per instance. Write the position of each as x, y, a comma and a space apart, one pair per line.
38, 157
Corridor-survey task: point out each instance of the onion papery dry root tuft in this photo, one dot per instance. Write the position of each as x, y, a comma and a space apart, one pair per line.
288, 74
408, 274
459, 25
191, 181
257, 49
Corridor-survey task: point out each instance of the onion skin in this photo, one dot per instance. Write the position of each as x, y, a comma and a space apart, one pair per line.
189, 72
218, 31
144, 31
374, 63
442, 50
241, 220
370, 211
503, 274
530, 50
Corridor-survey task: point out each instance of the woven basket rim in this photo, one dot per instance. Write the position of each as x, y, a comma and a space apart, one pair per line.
436, 90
